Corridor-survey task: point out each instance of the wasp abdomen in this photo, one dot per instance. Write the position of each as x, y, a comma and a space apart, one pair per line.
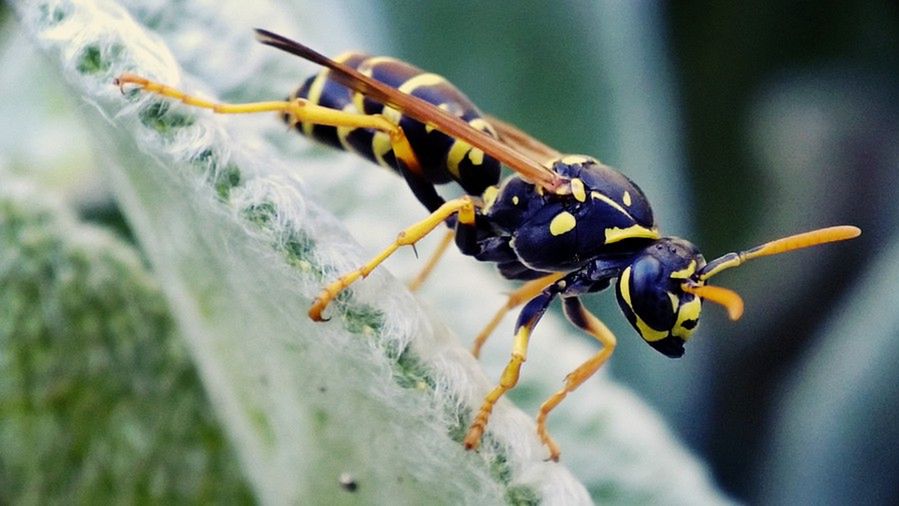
322, 91
441, 157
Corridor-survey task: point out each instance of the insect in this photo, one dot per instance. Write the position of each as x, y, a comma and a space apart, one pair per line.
567, 225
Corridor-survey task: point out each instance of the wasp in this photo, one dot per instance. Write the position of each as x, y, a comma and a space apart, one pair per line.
566, 225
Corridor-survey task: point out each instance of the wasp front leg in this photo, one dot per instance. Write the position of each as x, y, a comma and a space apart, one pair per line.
462, 207
527, 320
524, 293
482, 243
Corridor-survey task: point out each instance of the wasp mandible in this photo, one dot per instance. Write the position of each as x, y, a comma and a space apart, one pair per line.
567, 225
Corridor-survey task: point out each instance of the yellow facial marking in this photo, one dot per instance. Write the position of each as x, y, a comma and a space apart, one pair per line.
515, 200
675, 301
626, 198
648, 333
576, 159
614, 205
686, 272
563, 222
688, 311
625, 284
577, 189
616, 234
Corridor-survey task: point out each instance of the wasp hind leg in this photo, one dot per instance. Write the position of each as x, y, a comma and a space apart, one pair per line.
580, 316
299, 110
462, 207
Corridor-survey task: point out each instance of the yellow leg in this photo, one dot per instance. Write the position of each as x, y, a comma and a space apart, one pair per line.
578, 315
524, 293
527, 320
299, 110
507, 381
416, 282
466, 214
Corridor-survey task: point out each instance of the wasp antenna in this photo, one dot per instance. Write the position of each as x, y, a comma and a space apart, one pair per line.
730, 299
778, 246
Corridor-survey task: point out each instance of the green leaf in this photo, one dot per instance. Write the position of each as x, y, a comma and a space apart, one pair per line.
99, 400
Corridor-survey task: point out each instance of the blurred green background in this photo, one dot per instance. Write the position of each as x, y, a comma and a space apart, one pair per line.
743, 122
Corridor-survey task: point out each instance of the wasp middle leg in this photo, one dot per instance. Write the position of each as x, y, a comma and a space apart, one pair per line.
581, 317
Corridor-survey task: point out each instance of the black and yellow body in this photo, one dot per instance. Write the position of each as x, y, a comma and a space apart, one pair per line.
567, 225
441, 158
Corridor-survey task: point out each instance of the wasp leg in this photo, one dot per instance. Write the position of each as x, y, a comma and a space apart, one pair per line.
299, 110
526, 292
432, 262
528, 318
463, 207
578, 315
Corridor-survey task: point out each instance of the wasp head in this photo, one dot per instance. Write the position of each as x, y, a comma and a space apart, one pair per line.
652, 296
661, 291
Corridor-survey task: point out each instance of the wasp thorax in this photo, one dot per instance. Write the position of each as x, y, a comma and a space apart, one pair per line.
650, 294
604, 213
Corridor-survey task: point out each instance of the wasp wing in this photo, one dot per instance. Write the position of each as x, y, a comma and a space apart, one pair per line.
420, 110
523, 142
